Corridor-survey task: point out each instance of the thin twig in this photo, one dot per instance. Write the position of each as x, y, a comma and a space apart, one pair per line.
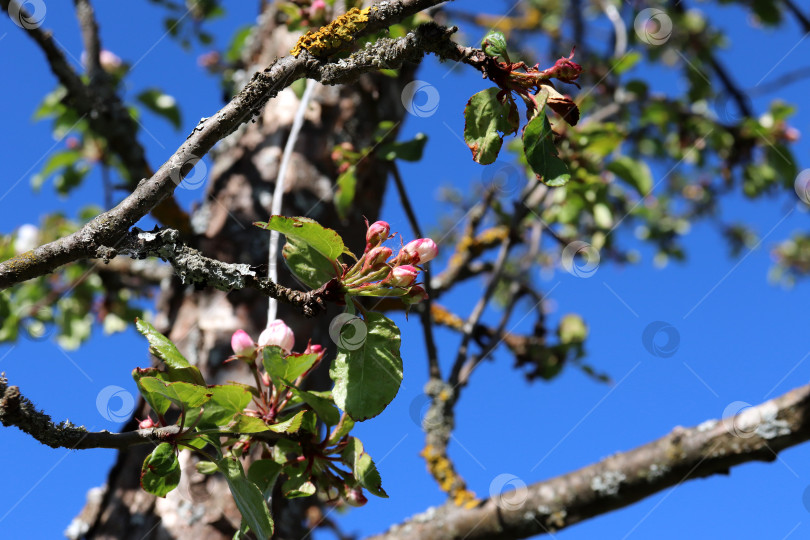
434, 372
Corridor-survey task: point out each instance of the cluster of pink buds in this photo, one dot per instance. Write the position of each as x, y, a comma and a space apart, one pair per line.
381, 273
277, 333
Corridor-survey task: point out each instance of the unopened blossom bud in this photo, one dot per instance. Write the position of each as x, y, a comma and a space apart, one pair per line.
376, 257
109, 60
146, 423
266, 379
564, 69
415, 295
242, 344
402, 276
418, 251
355, 497
72, 143
279, 334
377, 234
317, 9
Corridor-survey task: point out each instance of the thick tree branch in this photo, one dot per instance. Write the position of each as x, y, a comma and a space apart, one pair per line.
107, 230
713, 447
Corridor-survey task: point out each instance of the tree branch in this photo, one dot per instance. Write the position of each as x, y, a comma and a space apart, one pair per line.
107, 230
713, 447
17, 410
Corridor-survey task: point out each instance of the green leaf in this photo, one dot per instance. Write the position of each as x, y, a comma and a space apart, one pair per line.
494, 44
408, 151
322, 406
363, 467
161, 104
206, 467
264, 473
234, 51
344, 195
325, 241
178, 367
342, 429
156, 400
298, 485
538, 144
184, 395
484, 117
160, 472
367, 379
307, 264
226, 401
636, 173
290, 425
248, 498
285, 368
248, 424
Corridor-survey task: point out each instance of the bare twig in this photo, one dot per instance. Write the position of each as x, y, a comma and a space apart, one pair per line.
434, 371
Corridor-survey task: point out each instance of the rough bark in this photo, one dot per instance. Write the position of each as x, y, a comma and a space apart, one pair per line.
239, 192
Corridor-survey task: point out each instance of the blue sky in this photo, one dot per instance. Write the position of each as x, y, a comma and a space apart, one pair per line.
740, 338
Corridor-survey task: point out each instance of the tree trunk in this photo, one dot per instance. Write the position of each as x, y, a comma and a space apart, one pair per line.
239, 192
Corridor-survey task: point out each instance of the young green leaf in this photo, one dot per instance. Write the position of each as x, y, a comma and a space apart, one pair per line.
307, 263
156, 400
178, 367
264, 473
248, 498
407, 151
285, 368
322, 406
226, 400
344, 194
538, 144
160, 472
290, 425
368, 378
484, 117
248, 424
298, 485
325, 241
183, 395
161, 104
636, 173
363, 467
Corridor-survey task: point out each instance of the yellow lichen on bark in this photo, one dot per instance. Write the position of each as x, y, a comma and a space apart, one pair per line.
449, 481
334, 36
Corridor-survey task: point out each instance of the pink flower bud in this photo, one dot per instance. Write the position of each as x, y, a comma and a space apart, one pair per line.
355, 497
402, 276
376, 257
109, 60
266, 379
242, 344
279, 334
317, 9
415, 295
146, 423
418, 251
377, 234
